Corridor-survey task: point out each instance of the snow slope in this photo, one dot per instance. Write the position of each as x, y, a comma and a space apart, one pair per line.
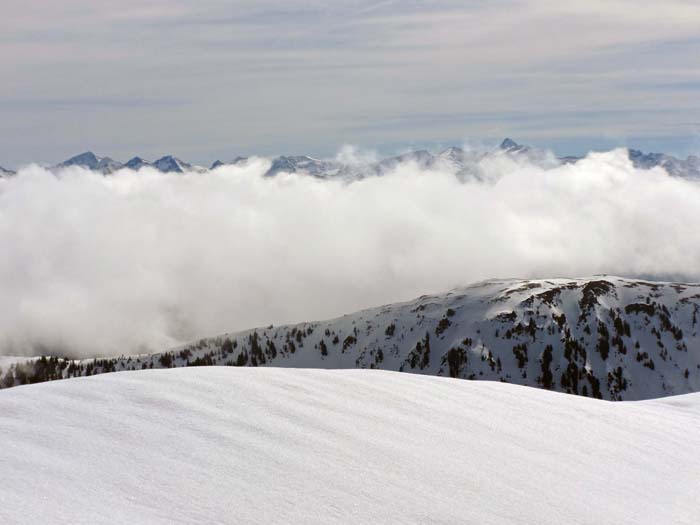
250, 445
606, 337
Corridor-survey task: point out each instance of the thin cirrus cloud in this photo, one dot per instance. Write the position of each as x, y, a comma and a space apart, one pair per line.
273, 77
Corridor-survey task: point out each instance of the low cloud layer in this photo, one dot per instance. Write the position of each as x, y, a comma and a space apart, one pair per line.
131, 262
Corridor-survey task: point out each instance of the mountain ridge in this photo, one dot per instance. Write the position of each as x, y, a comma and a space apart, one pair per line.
459, 160
604, 337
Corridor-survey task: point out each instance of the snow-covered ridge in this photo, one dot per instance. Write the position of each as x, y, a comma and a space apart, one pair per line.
688, 167
213, 445
461, 162
106, 165
603, 337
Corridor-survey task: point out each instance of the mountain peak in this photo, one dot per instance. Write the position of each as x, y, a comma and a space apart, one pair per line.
92, 162
170, 164
88, 159
235, 162
136, 163
509, 144
453, 153
452, 150
301, 164
688, 168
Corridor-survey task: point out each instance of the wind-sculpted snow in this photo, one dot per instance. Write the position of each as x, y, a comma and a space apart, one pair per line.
601, 337
214, 445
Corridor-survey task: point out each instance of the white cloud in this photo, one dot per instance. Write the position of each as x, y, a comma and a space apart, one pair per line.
109, 265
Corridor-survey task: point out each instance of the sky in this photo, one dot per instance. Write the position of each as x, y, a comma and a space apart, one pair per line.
212, 79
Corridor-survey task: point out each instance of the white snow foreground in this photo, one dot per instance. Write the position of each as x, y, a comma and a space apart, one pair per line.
217, 444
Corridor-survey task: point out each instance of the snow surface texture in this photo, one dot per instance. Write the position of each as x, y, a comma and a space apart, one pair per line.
214, 445
603, 337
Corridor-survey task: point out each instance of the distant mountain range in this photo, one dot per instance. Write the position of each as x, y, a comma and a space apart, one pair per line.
106, 165
462, 162
689, 167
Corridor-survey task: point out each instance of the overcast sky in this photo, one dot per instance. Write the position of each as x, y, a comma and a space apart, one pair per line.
211, 79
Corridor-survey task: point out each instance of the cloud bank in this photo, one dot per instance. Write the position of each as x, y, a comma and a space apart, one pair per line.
138, 261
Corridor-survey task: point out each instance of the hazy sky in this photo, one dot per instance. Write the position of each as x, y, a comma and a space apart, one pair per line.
210, 79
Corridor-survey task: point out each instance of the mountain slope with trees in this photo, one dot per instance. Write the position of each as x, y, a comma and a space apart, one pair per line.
602, 337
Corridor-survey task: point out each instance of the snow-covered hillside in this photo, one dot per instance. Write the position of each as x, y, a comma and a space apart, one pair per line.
354, 446
603, 337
